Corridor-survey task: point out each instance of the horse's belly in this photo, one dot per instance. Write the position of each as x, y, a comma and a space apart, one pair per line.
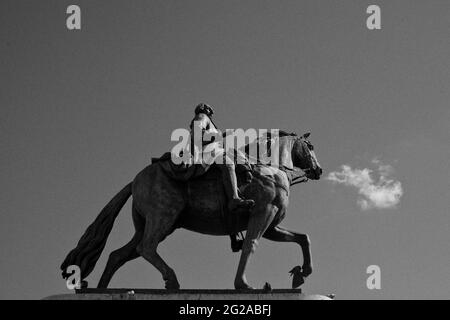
205, 209
203, 222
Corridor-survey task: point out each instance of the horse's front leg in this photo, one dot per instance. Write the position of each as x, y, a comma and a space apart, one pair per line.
259, 221
281, 234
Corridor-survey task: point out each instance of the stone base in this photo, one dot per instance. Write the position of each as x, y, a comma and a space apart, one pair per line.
197, 294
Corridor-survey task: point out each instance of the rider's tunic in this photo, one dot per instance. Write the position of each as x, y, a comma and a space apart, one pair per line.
207, 152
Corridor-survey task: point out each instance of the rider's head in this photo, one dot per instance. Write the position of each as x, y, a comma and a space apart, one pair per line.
204, 108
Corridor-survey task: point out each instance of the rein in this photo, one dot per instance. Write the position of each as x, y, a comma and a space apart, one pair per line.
298, 178
294, 177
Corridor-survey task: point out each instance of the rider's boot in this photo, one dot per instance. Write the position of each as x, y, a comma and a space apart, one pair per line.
230, 182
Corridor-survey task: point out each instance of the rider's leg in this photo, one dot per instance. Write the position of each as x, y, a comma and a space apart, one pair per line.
229, 179
234, 201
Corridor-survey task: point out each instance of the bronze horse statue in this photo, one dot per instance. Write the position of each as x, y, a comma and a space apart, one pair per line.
162, 204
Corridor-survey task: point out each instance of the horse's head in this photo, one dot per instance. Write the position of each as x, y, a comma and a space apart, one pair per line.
303, 157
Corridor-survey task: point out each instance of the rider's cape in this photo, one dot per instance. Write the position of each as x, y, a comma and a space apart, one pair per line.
180, 172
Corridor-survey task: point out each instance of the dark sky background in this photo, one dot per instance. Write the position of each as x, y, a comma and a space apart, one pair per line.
82, 112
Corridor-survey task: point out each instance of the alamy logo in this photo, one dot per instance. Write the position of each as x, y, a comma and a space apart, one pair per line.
73, 21
208, 147
74, 280
374, 280
374, 20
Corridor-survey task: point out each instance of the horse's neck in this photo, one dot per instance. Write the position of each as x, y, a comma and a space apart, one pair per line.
281, 146
285, 150
279, 177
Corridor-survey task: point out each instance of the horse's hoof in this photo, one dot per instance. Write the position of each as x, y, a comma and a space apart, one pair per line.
306, 271
172, 285
297, 277
246, 288
243, 286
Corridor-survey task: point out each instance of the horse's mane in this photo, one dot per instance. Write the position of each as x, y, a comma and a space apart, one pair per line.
282, 133
295, 176
267, 137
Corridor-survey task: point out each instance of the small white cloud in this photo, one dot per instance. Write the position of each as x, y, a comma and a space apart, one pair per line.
382, 194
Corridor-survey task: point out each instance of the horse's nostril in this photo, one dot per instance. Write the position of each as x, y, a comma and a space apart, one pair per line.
320, 170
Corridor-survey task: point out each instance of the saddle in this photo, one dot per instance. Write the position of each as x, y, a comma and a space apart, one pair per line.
182, 172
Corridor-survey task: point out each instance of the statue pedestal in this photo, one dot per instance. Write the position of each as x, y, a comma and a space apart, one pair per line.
197, 294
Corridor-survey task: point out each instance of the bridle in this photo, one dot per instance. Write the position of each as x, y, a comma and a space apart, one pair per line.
303, 177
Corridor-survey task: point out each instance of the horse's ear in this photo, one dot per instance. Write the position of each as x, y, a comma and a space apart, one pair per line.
306, 135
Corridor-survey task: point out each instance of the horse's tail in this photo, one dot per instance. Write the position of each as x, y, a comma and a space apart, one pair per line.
90, 246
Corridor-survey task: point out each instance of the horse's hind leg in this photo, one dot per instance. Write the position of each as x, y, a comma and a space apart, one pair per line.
158, 226
121, 256
118, 258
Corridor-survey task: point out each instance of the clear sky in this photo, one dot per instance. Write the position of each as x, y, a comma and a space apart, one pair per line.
83, 111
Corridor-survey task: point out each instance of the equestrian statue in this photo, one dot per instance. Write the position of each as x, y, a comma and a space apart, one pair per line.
219, 199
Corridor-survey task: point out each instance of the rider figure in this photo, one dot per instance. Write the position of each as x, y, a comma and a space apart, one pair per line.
204, 123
